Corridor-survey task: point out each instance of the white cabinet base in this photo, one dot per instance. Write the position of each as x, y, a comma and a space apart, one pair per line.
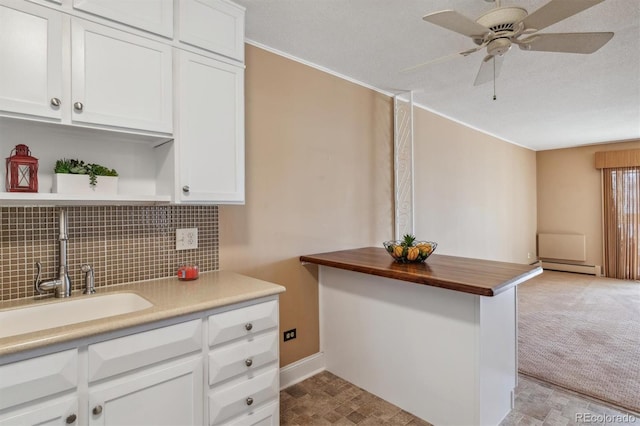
445, 356
165, 396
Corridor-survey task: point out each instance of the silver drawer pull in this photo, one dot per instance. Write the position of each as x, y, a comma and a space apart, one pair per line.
71, 419
249, 401
97, 410
248, 362
248, 326
78, 106
55, 102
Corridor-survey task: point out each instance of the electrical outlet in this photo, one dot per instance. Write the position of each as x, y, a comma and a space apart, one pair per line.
290, 334
186, 238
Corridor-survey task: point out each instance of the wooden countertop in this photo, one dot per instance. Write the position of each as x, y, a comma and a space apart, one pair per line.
475, 276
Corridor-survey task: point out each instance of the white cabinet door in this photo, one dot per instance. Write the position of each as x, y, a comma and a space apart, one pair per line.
210, 130
215, 25
168, 395
119, 79
30, 59
57, 412
155, 16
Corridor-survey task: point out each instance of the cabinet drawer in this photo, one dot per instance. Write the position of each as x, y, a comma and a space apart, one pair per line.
54, 411
242, 357
34, 378
215, 25
268, 415
227, 402
143, 349
242, 322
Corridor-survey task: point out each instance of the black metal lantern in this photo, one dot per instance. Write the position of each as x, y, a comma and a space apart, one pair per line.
22, 170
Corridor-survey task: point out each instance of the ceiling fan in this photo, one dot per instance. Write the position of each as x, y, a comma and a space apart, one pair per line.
502, 27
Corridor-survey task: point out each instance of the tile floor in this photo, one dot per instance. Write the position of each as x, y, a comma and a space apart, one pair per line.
326, 399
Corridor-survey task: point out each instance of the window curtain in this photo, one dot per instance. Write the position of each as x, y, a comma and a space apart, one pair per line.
621, 197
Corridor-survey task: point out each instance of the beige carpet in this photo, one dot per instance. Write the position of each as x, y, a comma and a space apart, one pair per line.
582, 333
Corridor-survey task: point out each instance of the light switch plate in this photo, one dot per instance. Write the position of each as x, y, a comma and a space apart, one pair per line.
186, 238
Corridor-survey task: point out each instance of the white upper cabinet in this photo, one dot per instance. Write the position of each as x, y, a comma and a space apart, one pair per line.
155, 16
210, 130
215, 25
116, 79
119, 79
31, 60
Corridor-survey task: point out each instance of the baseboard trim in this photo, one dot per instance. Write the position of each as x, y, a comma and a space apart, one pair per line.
301, 369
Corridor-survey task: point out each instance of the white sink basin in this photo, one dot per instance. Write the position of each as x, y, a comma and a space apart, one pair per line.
70, 311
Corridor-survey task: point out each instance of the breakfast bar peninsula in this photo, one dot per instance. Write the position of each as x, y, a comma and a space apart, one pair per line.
438, 339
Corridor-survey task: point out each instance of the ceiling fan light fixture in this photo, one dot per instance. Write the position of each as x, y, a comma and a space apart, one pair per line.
498, 47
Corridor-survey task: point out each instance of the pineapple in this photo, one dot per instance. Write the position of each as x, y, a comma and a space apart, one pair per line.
408, 240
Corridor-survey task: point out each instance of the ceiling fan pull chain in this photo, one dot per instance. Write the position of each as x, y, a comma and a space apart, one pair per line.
494, 78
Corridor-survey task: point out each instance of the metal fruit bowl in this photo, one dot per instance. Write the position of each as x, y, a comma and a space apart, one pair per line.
418, 252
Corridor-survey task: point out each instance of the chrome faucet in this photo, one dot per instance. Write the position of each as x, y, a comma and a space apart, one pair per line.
61, 285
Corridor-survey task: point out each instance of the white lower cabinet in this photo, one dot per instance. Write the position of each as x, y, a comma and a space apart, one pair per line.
268, 415
242, 399
156, 377
40, 391
167, 395
243, 366
54, 412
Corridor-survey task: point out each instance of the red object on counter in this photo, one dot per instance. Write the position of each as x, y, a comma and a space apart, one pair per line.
188, 273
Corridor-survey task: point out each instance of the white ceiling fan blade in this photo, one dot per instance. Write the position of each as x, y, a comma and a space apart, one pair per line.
452, 20
565, 42
489, 69
441, 59
556, 11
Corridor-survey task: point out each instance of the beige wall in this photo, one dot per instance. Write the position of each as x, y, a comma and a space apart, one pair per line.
475, 195
318, 178
569, 193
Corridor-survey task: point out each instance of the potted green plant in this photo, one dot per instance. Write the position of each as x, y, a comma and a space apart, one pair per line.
72, 176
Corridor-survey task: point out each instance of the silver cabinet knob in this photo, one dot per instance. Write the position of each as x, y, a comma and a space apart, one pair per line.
71, 419
56, 102
185, 188
248, 326
78, 106
248, 362
249, 401
97, 410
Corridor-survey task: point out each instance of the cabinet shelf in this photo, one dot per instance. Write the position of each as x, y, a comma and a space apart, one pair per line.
49, 199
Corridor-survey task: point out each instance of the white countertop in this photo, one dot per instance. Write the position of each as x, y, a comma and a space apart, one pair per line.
170, 298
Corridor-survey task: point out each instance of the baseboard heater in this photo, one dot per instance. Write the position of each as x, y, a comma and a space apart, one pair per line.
569, 267
559, 252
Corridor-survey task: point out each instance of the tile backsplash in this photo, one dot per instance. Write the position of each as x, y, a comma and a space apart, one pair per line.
122, 244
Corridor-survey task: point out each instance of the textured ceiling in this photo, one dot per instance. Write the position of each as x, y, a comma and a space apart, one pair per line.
544, 100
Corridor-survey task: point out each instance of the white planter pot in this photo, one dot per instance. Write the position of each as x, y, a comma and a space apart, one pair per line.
80, 185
